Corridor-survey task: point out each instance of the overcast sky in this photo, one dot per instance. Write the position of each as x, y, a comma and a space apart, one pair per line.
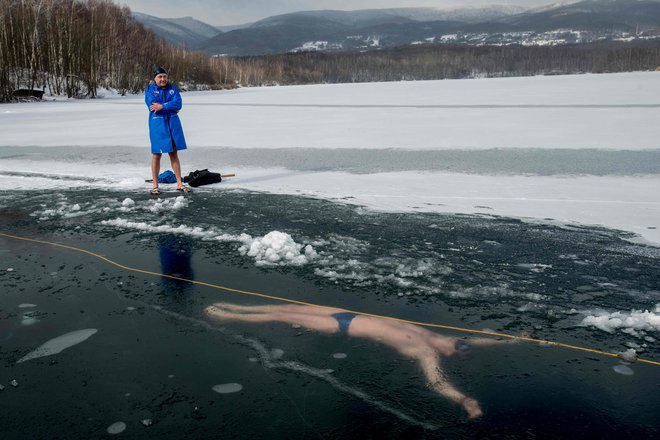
228, 12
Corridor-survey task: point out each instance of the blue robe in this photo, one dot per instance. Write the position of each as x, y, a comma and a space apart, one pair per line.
165, 131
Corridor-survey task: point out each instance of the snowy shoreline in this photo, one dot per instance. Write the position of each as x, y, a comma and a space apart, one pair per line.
616, 113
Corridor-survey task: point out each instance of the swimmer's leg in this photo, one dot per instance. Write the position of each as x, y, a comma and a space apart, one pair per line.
320, 323
289, 308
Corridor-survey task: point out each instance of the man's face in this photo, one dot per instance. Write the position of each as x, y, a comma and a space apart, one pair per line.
161, 79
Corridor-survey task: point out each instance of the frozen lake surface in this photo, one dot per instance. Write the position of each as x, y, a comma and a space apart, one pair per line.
522, 206
568, 149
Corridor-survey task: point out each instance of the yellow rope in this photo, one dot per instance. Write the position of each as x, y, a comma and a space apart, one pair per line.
293, 301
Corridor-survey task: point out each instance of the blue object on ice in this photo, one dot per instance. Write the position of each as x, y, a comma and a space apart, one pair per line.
167, 177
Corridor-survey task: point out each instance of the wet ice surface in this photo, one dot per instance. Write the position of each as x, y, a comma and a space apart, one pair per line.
152, 359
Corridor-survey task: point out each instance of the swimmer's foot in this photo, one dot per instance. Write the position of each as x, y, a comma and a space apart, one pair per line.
229, 308
217, 312
225, 311
155, 192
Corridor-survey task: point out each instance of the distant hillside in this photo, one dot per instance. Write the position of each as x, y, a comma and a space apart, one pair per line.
183, 32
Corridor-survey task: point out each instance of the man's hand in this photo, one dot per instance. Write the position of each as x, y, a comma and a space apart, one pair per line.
155, 107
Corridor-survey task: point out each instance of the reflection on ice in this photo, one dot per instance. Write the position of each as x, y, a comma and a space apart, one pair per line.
59, 344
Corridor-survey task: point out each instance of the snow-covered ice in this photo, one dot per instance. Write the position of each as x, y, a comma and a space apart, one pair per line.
587, 113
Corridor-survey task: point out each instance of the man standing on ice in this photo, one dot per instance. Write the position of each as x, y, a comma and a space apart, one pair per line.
165, 131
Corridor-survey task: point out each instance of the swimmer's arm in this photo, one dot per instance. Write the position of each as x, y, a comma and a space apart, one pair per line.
437, 381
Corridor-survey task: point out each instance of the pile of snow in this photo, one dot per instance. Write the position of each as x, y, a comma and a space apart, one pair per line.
277, 249
635, 322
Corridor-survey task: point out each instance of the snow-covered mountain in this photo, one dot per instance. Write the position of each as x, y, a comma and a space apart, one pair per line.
331, 30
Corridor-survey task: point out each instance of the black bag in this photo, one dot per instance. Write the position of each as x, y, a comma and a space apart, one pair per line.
202, 177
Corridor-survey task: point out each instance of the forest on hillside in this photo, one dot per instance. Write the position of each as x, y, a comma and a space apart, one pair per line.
74, 48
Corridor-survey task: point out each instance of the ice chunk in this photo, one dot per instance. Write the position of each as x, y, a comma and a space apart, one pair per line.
26, 306
227, 388
116, 428
147, 422
13, 383
632, 322
623, 369
127, 203
340, 355
180, 202
629, 355
28, 319
277, 353
59, 344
